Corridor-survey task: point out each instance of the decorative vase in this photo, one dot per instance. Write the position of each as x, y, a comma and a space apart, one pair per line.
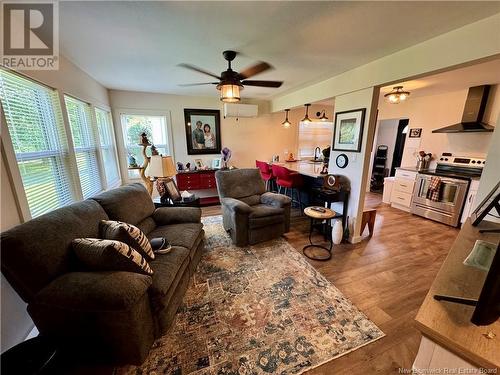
337, 232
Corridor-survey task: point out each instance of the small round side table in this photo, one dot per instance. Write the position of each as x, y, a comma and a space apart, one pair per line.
317, 215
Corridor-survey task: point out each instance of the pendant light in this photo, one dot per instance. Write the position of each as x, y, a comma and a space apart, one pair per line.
306, 117
286, 124
322, 115
397, 95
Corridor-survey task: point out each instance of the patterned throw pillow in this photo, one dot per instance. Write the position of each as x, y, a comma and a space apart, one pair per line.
129, 234
109, 255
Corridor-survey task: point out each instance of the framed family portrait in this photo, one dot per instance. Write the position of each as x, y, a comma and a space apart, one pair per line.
348, 130
202, 131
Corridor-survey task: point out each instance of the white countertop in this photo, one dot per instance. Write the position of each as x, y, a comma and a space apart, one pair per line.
303, 167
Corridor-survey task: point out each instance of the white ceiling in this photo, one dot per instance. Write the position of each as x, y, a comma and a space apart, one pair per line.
137, 45
487, 73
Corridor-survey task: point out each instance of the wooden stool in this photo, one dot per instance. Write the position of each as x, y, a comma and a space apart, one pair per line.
368, 218
314, 214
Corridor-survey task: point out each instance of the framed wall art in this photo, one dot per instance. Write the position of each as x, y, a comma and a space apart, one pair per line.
202, 131
348, 130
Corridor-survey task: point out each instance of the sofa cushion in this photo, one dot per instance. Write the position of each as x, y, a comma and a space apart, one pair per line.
130, 204
109, 255
185, 235
38, 251
168, 270
262, 210
250, 200
238, 183
129, 234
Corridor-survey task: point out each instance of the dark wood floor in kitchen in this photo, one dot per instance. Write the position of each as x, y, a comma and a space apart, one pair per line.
387, 277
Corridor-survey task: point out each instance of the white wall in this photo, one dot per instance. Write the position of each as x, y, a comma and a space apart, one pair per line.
359, 163
248, 138
16, 323
436, 111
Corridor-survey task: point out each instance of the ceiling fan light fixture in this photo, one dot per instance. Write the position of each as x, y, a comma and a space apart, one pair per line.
229, 93
306, 117
397, 95
286, 124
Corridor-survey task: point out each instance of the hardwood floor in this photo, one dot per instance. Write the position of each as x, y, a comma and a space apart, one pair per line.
386, 276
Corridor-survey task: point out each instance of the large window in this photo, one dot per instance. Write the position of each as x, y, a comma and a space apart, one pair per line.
108, 151
84, 141
155, 128
33, 115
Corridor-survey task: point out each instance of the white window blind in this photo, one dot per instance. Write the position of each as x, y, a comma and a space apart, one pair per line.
36, 128
106, 136
85, 144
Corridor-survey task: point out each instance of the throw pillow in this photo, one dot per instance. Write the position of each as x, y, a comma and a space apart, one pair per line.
129, 234
109, 255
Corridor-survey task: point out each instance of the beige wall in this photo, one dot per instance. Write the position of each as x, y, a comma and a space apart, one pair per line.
16, 323
436, 111
359, 162
248, 138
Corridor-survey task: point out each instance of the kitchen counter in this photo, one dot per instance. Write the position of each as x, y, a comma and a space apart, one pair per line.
304, 167
411, 169
448, 324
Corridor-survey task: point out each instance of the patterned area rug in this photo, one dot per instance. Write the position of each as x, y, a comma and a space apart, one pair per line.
257, 310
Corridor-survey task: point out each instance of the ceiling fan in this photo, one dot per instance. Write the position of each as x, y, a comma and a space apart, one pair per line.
230, 82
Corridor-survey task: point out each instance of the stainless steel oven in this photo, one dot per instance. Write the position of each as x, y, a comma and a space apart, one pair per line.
448, 206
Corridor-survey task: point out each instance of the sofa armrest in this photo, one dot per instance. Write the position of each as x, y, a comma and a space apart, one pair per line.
176, 215
106, 314
236, 205
94, 291
275, 200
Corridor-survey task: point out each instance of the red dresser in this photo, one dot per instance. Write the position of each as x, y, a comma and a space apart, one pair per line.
200, 183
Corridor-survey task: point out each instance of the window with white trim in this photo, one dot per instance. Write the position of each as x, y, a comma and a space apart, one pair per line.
155, 128
108, 149
36, 127
85, 144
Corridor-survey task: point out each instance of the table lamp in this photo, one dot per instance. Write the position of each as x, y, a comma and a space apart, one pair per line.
162, 169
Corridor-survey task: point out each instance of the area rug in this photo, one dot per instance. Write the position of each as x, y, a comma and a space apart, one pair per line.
261, 309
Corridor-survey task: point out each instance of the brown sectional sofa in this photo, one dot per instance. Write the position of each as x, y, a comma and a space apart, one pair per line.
115, 314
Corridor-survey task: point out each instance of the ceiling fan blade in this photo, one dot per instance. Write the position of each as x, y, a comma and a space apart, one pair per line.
199, 70
198, 84
262, 83
255, 69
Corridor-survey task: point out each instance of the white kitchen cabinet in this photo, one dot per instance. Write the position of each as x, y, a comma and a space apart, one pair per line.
469, 201
402, 190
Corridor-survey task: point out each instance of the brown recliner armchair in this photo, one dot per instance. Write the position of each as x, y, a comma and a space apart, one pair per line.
250, 214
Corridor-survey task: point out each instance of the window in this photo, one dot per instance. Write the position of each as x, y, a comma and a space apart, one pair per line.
84, 141
108, 151
34, 119
155, 128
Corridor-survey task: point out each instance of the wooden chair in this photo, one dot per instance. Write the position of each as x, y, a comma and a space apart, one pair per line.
369, 217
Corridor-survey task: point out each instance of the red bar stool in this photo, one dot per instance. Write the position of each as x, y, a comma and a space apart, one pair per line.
266, 172
287, 179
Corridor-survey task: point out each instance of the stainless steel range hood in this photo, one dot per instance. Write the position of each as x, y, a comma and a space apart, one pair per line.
472, 118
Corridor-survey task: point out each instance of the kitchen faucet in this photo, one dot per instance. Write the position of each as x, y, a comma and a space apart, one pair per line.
317, 153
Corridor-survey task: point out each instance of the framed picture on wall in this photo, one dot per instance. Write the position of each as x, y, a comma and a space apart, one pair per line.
348, 130
415, 133
202, 131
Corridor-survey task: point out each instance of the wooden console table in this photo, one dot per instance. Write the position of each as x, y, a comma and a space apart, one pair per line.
448, 324
201, 183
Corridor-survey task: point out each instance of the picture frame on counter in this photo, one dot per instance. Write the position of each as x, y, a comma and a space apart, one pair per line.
199, 163
348, 130
202, 128
217, 163
415, 133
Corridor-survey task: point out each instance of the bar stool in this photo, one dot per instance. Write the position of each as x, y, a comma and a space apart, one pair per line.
267, 173
287, 179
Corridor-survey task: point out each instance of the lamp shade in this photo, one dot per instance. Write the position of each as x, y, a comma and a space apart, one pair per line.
162, 166
229, 93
